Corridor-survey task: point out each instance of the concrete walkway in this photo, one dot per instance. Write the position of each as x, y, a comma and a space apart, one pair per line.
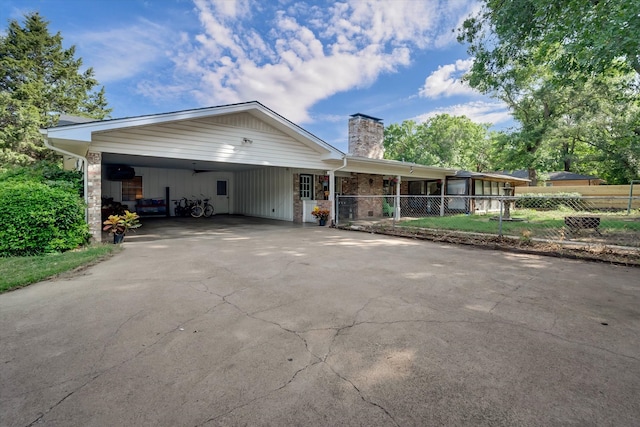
245, 322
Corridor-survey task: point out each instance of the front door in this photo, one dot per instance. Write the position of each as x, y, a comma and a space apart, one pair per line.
221, 198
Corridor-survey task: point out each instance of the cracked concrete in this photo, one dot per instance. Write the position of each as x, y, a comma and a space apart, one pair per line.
237, 321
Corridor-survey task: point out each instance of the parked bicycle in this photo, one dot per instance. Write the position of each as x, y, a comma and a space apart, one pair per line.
183, 207
202, 207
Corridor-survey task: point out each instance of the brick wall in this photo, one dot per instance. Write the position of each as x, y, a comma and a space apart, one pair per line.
94, 194
297, 203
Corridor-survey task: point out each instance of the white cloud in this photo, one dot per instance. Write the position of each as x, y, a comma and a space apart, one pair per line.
447, 81
453, 18
288, 55
310, 53
121, 53
479, 111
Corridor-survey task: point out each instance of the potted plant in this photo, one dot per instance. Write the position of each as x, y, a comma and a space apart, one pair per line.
321, 215
118, 225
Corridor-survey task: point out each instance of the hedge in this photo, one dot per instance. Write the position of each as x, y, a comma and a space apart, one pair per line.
37, 218
549, 201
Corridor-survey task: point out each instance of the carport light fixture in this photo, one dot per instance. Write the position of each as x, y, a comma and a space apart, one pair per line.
411, 169
247, 141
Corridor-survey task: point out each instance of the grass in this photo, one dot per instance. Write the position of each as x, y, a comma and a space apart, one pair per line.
16, 272
535, 222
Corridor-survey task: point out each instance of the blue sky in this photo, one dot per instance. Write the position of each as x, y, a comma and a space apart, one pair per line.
313, 62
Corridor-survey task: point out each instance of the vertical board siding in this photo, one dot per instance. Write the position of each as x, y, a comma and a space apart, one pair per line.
264, 193
181, 183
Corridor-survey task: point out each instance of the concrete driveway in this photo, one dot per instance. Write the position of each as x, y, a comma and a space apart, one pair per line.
247, 322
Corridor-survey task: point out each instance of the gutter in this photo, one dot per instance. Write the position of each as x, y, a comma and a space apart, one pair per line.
85, 172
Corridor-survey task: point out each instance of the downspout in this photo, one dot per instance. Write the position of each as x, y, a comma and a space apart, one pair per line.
85, 174
332, 188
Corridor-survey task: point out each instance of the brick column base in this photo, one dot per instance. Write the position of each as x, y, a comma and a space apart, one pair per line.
94, 195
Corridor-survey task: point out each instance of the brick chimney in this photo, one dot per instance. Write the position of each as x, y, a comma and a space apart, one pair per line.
365, 136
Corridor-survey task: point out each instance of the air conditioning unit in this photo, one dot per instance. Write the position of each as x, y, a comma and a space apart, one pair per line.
120, 173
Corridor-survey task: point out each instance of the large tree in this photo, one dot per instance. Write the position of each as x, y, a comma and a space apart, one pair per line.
572, 90
442, 140
39, 80
584, 36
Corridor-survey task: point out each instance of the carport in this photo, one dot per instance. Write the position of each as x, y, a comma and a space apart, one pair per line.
245, 157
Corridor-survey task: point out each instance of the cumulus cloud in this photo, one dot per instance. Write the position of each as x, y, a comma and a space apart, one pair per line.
288, 55
447, 81
479, 111
310, 52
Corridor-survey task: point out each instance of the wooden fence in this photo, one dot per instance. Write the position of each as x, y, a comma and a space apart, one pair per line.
603, 192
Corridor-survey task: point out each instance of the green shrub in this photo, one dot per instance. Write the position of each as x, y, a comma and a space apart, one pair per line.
36, 218
545, 201
47, 173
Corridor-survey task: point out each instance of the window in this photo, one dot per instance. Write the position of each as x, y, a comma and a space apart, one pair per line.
132, 189
221, 188
478, 187
306, 187
416, 187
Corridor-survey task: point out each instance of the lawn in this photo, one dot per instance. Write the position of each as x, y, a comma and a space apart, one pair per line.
535, 223
16, 272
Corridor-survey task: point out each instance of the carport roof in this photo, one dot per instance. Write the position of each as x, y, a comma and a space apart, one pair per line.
81, 133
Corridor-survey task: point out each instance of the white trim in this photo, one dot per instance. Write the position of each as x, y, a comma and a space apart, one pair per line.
82, 132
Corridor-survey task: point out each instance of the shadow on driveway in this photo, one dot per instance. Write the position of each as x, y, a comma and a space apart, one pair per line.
208, 322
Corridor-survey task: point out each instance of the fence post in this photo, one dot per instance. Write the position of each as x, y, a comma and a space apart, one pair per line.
501, 201
336, 205
631, 194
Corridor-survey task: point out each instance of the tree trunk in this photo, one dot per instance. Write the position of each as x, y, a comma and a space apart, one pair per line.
533, 177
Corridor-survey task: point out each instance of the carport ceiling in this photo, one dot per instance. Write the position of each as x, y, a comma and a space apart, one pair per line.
167, 163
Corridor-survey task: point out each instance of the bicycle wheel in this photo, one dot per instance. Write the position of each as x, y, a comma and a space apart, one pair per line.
208, 210
197, 211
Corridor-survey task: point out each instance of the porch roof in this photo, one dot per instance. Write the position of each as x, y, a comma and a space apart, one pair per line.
407, 170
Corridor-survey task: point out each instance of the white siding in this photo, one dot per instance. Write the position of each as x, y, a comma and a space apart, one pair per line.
218, 139
181, 183
265, 193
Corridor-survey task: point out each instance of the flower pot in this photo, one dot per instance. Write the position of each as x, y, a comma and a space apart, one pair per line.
118, 238
322, 222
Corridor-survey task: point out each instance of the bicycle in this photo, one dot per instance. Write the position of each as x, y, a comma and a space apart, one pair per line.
202, 207
183, 207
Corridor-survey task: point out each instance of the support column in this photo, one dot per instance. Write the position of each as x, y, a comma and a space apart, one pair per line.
396, 211
94, 195
442, 188
297, 203
332, 196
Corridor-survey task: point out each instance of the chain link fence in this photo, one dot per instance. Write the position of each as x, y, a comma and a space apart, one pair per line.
602, 225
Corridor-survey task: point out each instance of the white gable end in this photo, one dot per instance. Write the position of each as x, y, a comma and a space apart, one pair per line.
234, 138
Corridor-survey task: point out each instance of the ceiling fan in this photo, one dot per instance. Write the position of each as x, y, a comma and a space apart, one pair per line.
195, 171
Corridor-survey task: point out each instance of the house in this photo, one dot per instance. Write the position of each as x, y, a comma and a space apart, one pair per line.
245, 158
559, 179
468, 183
563, 179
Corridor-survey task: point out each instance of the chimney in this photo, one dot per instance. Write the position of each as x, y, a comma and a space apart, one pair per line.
365, 136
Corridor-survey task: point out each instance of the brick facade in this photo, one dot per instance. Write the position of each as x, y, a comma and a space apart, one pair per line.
94, 194
297, 202
360, 184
